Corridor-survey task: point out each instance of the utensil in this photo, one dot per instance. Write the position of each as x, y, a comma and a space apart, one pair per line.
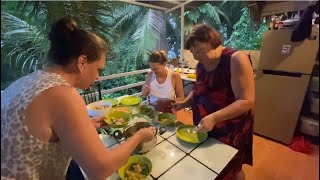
162, 130
194, 130
117, 134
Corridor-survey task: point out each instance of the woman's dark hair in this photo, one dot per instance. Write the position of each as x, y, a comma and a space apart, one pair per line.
158, 57
68, 41
205, 34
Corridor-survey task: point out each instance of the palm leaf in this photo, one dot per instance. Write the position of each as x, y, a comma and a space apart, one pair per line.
148, 33
24, 40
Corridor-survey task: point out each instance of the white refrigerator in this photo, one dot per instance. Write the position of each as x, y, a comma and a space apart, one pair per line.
282, 79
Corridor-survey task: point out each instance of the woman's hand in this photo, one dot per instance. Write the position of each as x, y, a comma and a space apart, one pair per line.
145, 90
206, 124
180, 105
98, 122
147, 134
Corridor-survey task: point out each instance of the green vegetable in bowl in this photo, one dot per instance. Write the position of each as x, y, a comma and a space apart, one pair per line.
138, 167
117, 119
166, 118
147, 110
137, 171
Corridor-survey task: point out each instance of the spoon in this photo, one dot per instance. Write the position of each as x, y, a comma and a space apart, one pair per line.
194, 130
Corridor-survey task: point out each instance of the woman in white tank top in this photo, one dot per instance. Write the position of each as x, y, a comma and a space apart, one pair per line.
161, 83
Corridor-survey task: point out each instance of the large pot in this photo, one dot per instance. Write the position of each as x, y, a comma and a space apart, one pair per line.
143, 147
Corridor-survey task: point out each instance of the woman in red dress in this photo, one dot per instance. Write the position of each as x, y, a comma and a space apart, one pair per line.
223, 96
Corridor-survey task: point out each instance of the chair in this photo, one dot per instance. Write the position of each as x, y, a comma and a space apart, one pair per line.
90, 94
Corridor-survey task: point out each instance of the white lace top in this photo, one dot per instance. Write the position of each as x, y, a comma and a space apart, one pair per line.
22, 155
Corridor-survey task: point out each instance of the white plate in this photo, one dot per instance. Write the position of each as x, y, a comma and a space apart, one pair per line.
103, 112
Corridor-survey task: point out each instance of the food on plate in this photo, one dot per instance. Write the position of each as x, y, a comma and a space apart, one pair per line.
100, 107
117, 121
122, 109
137, 171
164, 120
140, 118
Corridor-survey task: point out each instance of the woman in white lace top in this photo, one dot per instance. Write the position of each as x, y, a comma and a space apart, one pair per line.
44, 120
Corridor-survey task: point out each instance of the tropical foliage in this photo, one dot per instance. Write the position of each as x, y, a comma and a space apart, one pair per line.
132, 32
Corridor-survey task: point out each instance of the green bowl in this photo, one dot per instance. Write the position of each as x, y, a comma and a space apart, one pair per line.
194, 138
170, 119
135, 159
130, 100
147, 110
115, 115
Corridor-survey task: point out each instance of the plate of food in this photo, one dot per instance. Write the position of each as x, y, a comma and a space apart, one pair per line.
139, 118
189, 133
130, 100
166, 119
113, 101
118, 119
99, 108
126, 109
138, 167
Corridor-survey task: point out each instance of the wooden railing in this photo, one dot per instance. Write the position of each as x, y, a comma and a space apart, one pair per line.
114, 76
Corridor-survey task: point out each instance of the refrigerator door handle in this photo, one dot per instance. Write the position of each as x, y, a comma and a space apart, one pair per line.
282, 73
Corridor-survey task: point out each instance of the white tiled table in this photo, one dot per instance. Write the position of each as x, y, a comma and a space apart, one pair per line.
175, 159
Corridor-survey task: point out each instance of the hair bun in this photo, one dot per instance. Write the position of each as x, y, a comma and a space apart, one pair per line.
163, 53
63, 30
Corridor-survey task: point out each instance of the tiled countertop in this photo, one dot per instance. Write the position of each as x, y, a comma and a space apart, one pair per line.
175, 159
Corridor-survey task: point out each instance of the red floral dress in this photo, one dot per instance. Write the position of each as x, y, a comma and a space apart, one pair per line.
213, 92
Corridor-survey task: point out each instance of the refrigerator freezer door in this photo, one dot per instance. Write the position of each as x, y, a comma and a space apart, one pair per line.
278, 104
278, 53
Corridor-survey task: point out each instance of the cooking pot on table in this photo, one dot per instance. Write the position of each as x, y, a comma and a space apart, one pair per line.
143, 147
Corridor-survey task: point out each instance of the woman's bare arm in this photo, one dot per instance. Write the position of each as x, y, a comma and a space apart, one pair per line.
178, 85
242, 82
79, 138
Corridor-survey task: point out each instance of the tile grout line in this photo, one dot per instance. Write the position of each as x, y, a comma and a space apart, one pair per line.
189, 154
172, 166
203, 164
186, 154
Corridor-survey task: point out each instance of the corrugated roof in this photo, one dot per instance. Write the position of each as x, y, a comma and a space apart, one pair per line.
257, 9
